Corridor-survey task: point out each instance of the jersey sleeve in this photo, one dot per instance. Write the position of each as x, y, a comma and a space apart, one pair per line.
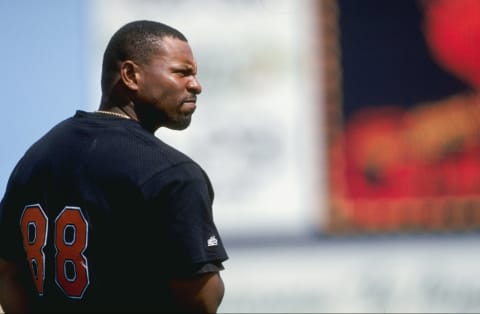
11, 247
183, 199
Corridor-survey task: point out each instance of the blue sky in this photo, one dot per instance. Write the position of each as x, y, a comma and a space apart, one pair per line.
43, 56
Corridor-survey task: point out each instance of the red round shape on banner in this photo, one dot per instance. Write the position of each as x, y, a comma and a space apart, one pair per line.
452, 30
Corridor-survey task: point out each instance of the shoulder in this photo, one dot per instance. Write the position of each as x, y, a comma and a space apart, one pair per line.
119, 143
132, 152
183, 177
144, 149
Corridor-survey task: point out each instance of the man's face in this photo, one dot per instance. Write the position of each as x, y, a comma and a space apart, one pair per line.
167, 85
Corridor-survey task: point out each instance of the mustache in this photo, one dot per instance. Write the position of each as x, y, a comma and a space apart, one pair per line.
192, 98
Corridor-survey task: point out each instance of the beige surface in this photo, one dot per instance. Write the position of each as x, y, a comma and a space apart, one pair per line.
382, 275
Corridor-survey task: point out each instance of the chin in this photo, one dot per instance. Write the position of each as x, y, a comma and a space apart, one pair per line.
179, 125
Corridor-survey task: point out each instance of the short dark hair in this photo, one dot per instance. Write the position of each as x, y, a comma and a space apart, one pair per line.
134, 41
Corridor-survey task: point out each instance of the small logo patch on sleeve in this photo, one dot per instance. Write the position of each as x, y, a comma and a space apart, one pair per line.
212, 241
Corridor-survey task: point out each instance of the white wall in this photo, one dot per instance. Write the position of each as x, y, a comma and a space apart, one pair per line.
254, 130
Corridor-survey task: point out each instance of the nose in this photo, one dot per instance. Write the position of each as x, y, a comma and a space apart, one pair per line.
194, 86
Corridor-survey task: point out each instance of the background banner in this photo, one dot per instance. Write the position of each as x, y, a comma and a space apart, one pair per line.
403, 115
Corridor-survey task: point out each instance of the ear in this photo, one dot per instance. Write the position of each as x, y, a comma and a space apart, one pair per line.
129, 74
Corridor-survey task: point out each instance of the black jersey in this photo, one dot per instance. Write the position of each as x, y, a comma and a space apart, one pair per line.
103, 213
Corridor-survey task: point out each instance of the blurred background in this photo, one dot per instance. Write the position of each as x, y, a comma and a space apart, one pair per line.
341, 137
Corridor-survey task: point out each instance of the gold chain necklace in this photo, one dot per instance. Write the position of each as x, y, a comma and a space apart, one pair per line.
116, 114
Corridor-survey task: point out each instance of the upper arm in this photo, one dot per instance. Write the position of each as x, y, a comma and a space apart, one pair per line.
202, 293
13, 287
195, 248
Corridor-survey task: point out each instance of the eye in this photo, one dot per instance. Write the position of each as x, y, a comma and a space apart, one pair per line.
183, 72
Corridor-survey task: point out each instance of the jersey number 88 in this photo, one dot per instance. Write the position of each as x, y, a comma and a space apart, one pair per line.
70, 242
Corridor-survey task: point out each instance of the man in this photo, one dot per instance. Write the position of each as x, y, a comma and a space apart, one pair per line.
100, 214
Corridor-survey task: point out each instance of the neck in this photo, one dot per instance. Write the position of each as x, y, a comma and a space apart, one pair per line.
118, 106
119, 99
